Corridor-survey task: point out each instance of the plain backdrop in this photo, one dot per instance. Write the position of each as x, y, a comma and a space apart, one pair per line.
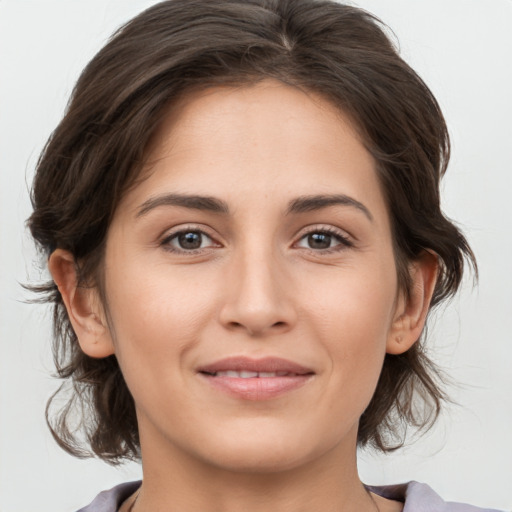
463, 50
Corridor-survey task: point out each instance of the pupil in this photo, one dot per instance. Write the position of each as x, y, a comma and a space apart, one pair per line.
319, 241
190, 240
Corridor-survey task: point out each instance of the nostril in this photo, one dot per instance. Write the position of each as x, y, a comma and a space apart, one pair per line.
255, 329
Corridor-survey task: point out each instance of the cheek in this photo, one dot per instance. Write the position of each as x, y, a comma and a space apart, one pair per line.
156, 315
352, 313
155, 329
354, 303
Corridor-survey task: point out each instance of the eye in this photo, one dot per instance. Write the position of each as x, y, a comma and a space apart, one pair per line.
188, 240
324, 240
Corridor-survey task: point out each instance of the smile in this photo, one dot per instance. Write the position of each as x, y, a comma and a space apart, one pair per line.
255, 379
249, 375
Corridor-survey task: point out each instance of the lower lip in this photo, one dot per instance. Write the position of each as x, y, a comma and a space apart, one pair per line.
256, 388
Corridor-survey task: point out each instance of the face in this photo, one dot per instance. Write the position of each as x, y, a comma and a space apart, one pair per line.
251, 281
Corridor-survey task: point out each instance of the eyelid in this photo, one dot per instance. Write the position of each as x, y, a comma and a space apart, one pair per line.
170, 234
345, 240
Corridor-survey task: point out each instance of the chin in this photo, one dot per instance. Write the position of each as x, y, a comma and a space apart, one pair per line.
260, 450
258, 460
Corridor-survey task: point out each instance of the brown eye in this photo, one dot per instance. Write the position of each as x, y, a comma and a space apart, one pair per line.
324, 240
319, 240
188, 240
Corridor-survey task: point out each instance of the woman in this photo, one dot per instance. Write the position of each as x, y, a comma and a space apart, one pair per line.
241, 215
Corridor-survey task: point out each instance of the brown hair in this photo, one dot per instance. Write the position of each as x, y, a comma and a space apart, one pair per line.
98, 150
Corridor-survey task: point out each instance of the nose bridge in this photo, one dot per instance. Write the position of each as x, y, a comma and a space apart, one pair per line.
258, 275
257, 292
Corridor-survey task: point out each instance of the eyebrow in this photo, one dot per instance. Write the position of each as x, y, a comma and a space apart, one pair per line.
301, 204
309, 203
205, 203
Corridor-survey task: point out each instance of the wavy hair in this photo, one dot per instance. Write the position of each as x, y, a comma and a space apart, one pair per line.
97, 151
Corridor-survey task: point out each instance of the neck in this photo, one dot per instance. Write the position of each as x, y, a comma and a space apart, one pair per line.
175, 481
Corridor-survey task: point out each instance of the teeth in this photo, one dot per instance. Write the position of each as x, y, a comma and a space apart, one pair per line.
250, 375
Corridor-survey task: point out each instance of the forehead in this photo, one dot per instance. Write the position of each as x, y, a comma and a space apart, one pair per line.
229, 117
269, 140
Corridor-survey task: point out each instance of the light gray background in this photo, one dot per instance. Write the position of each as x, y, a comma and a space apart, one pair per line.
462, 48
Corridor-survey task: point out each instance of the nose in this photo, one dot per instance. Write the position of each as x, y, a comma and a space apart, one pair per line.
258, 296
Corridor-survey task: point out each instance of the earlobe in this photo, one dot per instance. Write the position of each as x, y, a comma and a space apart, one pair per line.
412, 308
83, 306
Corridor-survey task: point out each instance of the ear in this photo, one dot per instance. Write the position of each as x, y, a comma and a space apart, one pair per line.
83, 306
411, 311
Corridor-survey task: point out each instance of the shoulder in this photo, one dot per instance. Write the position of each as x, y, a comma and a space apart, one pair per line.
110, 501
418, 497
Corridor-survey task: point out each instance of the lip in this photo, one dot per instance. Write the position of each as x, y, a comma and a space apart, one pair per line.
290, 376
265, 364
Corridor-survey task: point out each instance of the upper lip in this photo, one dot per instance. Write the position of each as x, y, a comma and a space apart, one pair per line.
265, 364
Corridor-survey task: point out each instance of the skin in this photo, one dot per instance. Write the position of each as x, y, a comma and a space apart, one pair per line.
258, 285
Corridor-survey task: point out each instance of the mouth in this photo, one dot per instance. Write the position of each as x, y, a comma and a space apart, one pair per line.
255, 379
248, 374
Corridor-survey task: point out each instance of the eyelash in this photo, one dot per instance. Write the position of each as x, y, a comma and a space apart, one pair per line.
344, 241
167, 240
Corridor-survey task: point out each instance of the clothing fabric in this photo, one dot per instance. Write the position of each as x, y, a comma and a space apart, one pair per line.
416, 497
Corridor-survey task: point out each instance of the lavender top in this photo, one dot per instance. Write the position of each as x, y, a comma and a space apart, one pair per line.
415, 496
